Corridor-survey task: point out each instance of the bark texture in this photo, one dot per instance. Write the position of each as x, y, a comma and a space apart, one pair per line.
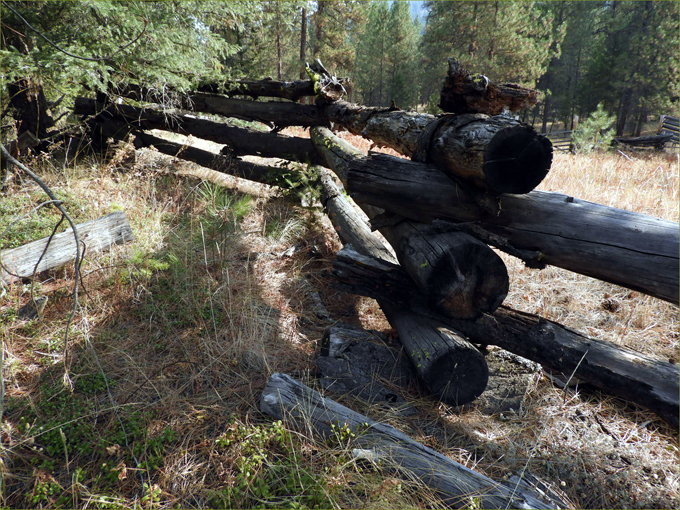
447, 365
621, 247
649, 382
465, 93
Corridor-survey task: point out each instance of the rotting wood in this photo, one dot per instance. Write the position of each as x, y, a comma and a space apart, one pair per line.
446, 363
649, 382
242, 141
461, 275
465, 93
97, 235
285, 398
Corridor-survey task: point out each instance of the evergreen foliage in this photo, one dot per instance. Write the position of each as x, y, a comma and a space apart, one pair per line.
594, 133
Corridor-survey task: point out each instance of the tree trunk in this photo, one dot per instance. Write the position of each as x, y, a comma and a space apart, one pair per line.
625, 248
461, 275
286, 398
646, 381
447, 365
303, 44
241, 141
98, 235
463, 93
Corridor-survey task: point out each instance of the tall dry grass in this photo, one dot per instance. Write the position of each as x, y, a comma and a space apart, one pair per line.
186, 324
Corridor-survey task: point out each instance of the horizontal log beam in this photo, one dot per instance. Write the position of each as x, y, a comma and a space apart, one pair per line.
649, 382
241, 141
293, 90
621, 247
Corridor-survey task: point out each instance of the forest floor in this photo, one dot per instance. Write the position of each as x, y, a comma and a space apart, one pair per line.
178, 331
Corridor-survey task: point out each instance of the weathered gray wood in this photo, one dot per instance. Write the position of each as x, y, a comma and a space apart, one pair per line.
461, 275
621, 247
354, 361
218, 162
286, 398
241, 141
446, 363
464, 93
97, 235
644, 380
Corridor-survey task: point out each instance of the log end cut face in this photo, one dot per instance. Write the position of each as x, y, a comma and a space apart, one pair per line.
461, 379
517, 159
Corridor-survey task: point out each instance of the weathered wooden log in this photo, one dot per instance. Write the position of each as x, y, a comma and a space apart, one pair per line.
497, 154
351, 362
446, 363
293, 90
461, 275
285, 398
281, 114
621, 247
464, 93
218, 162
655, 141
242, 141
97, 235
649, 382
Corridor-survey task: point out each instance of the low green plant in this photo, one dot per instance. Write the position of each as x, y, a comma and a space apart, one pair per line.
269, 471
594, 133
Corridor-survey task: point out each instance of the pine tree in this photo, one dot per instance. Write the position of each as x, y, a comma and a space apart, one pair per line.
371, 56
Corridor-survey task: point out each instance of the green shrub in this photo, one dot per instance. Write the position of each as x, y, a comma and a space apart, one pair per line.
594, 133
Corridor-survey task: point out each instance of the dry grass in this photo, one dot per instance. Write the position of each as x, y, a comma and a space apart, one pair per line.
180, 330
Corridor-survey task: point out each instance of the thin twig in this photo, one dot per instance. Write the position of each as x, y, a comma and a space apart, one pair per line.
78, 260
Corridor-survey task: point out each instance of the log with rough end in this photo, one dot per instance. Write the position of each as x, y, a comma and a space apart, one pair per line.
621, 247
496, 154
449, 367
462, 276
286, 398
647, 381
465, 93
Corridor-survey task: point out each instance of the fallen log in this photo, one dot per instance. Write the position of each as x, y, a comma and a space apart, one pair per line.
293, 90
241, 141
464, 93
461, 275
649, 382
97, 235
621, 247
449, 366
284, 398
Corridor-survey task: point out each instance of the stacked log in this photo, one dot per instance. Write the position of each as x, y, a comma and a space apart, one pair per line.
470, 184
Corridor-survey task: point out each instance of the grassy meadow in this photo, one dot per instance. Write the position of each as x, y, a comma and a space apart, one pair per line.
177, 332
